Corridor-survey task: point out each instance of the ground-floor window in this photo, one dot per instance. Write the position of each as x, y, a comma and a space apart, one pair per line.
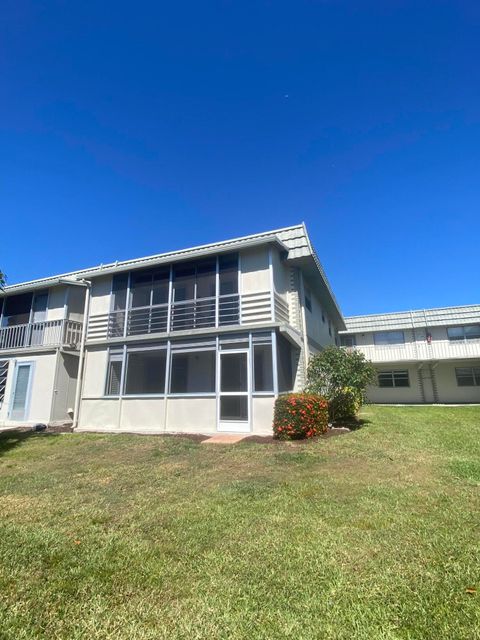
145, 372
3, 379
396, 378
468, 376
192, 372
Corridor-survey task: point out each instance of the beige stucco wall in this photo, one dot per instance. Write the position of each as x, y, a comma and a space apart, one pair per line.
448, 390
56, 303
255, 273
41, 389
317, 330
95, 371
262, 414
100, 295
101, 413
195, 415
144, 413
397, 395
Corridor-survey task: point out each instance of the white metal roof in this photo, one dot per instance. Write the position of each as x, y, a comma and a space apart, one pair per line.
442, 316
294, 240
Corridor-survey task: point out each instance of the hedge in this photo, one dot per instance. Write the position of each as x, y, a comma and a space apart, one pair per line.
300, 415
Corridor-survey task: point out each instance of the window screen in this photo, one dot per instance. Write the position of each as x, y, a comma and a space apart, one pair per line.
262, 367
114, 374
193, 372
145, 372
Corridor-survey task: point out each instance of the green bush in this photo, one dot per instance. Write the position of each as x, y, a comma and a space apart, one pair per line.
344, 405
341, 376
300, 415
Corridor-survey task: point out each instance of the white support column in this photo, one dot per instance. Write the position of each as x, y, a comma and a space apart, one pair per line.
167, 383
217, 292
275, 363
127, 304
304, 323
169, 303
272, 285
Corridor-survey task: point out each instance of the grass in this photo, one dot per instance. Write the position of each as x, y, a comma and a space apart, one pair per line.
373, 534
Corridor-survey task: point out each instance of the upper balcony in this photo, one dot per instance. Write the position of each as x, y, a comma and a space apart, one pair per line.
421, 351
33, 335
186, 315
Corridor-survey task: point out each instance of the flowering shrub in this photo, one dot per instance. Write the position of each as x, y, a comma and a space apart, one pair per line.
300, 415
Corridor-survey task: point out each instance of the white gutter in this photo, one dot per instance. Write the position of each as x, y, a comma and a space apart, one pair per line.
78, 390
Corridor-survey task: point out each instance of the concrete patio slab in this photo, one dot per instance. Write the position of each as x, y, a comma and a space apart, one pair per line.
225, 438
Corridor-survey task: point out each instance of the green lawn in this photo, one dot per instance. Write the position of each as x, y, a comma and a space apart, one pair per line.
373, 534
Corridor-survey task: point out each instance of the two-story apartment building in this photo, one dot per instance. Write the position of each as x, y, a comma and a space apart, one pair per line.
196, 340
204, 339
40, 331
423, 356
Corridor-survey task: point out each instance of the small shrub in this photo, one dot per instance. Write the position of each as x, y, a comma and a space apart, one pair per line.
344, 405
300, 415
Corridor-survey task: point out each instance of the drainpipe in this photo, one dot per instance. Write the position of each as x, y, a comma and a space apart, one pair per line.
87, 284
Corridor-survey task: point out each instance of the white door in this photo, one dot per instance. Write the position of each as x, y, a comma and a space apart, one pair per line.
234, 391
21, 391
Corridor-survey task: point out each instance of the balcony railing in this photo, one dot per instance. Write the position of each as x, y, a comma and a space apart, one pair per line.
231, 309
41, 334
419, 351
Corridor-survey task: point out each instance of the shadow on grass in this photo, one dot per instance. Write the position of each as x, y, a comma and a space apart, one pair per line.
16, 437
353, 423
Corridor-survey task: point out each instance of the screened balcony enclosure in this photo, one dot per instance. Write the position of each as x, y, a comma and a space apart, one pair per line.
193, 295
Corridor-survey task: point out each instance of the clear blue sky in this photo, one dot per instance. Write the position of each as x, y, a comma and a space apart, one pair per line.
132, 128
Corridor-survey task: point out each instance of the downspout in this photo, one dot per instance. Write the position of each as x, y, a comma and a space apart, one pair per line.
86, 309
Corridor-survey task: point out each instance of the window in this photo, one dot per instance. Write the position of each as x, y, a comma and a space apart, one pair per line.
16, 310
308, 299
114, 374
149, 288
468, 376
329, 328
389, 337
397, 378
468, 332
228, 273
284, 364
145, 372
193, 372
3, 379
348, 341
262, 367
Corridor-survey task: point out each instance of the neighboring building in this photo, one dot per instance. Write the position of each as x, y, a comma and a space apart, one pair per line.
40, 329
425, 356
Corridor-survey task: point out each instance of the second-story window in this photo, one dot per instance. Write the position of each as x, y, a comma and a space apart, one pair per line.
388, 337
467, 332
149, 288
308, 299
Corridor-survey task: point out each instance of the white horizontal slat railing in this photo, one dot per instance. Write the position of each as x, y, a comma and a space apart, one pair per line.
41, 334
